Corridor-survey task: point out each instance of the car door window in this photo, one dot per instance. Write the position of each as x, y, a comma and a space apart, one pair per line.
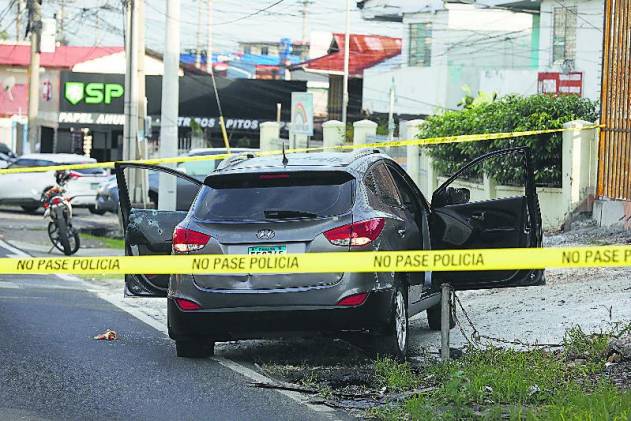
382, 192
490, 203
148, 224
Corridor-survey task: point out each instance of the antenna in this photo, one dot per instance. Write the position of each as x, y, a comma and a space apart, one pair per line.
285, 160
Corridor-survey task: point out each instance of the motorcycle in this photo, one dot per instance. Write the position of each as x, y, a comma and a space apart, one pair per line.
59, 210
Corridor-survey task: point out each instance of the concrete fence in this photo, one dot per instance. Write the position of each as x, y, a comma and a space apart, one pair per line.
558, 204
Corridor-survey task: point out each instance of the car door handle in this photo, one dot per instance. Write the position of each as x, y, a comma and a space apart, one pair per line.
478, 216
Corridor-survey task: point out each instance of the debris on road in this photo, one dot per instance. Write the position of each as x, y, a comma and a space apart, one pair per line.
108, 335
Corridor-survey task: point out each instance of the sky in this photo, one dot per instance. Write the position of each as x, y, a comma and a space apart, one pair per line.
100, 22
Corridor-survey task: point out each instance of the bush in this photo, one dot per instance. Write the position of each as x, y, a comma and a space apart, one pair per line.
508, 114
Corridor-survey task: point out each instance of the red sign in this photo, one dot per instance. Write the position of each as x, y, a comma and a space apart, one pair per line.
560, 83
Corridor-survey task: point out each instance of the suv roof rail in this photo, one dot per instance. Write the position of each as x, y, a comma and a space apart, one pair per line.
365, 151
235, 159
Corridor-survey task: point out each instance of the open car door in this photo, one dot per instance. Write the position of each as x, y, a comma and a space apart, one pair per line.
477, 208
149, 231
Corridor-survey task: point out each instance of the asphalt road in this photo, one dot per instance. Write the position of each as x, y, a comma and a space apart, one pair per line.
52, 368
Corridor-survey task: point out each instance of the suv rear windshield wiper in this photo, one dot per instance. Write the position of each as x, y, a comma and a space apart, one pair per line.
281, 214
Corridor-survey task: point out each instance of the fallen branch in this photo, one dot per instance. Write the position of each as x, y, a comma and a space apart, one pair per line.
284, 386
375, 397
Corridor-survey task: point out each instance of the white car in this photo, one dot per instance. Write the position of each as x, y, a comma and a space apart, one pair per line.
25, 189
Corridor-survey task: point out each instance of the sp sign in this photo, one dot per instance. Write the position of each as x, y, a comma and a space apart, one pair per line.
92, 93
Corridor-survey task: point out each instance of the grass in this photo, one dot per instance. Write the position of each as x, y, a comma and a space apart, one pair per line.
396, 377
108, 242
496, 383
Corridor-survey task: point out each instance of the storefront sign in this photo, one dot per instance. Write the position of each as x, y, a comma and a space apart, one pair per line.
92, 93
212, 122
92, 118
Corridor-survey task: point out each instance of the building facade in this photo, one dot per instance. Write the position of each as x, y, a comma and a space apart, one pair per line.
506, 47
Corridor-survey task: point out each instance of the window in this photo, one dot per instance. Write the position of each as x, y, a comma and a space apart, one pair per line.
264, 51
261, 196
564, 34
420, 50
381, 189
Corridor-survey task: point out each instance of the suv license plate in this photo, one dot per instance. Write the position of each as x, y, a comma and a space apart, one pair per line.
267, 250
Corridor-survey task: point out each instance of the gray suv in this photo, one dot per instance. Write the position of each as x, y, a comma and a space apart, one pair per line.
311, 203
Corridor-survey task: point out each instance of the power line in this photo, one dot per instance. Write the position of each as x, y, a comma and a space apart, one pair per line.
251, 14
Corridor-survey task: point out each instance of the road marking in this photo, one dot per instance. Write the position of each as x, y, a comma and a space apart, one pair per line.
118, 301
16, 252
245, 371
10, 285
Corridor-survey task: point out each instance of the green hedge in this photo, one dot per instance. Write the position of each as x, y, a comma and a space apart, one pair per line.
508, 114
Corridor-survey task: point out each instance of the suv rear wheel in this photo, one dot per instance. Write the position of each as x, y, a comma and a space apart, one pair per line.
194, 348
394, 340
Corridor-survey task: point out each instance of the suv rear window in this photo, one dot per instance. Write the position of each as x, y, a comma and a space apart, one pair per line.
275, 196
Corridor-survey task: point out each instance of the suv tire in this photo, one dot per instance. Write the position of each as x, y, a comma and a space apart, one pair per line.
393, 341
434, 318
194, 348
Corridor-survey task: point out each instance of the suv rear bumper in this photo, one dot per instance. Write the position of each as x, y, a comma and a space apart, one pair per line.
252, 323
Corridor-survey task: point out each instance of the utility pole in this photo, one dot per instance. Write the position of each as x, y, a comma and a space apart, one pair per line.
61, 36
18, 20
135, 107
347, 47
391, 112
198, 36
209, 41
305, 20
35, 26
167, 189
130, 129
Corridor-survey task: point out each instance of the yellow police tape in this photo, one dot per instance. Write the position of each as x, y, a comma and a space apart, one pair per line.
398, 261
387, 144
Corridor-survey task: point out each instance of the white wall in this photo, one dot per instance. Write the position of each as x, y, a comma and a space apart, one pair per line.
466, 35
589, 38
509, 81
419, 90
463, 45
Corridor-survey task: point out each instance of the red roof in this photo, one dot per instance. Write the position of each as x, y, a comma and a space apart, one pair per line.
64, 57
365, 51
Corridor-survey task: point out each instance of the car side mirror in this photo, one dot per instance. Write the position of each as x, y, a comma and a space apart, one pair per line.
451, 196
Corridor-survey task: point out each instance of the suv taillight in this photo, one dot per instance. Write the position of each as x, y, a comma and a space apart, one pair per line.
356, 234
185, 240
73, 175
